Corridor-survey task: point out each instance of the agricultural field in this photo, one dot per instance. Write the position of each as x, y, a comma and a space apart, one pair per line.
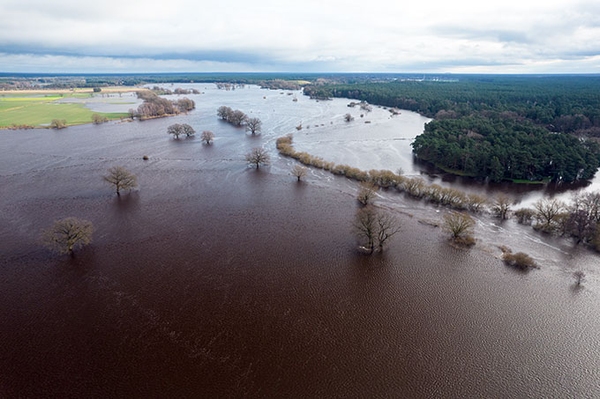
38, 109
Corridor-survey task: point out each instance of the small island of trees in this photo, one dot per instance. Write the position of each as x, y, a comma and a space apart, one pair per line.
157, 107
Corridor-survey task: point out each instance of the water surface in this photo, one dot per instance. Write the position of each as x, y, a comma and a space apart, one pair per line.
217, 280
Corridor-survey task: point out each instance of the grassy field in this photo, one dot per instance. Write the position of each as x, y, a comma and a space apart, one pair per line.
39, 108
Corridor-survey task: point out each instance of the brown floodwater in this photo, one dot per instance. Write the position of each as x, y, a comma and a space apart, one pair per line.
217, 280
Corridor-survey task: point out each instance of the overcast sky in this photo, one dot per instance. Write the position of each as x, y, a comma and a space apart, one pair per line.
508, 36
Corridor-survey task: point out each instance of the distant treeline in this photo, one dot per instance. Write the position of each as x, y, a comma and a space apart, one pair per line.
501, 127
560, 103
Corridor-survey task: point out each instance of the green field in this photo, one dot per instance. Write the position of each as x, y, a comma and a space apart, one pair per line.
39, 111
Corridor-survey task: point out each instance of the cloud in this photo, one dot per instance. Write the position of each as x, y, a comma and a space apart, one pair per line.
269, 35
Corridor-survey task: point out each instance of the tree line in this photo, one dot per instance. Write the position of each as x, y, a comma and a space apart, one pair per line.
239, 118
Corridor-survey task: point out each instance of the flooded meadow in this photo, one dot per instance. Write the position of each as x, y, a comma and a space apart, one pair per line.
214, 279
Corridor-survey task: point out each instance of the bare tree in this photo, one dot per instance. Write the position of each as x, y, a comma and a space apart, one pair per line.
224, 112
524, 215
374, 227
177, 129
366, 193
67, 234
387, 226
583, 216
237, 118
207, 136
299, 171
121, 178
579, 277
258, 156
579, 224
547, 213
187, 130
185, 104
460, 226
501, 206
591, 203
253, 125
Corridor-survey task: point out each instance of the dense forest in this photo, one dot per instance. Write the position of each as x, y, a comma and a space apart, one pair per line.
506, 148
500, 127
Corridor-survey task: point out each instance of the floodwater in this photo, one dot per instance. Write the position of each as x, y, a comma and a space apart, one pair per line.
217, 280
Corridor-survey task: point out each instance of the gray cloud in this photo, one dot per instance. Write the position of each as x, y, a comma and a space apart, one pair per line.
432, 35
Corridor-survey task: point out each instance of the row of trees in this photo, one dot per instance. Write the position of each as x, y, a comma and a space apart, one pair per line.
580, 218
239, 118
178, 91
179, 129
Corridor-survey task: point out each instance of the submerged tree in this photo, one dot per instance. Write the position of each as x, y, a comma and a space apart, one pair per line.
460, 226
299, 171
579, 277
547, 214
121, 178
237, 118
258, 156
519, 260
224, 112
178, 129
501, 206
374, 227
187, 130
207, 136
253, 125
65, 235
366, 193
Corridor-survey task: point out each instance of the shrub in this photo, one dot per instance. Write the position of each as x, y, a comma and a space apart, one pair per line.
415, 187
460, 226
524, 215
58, 124
519, 260
475, 203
